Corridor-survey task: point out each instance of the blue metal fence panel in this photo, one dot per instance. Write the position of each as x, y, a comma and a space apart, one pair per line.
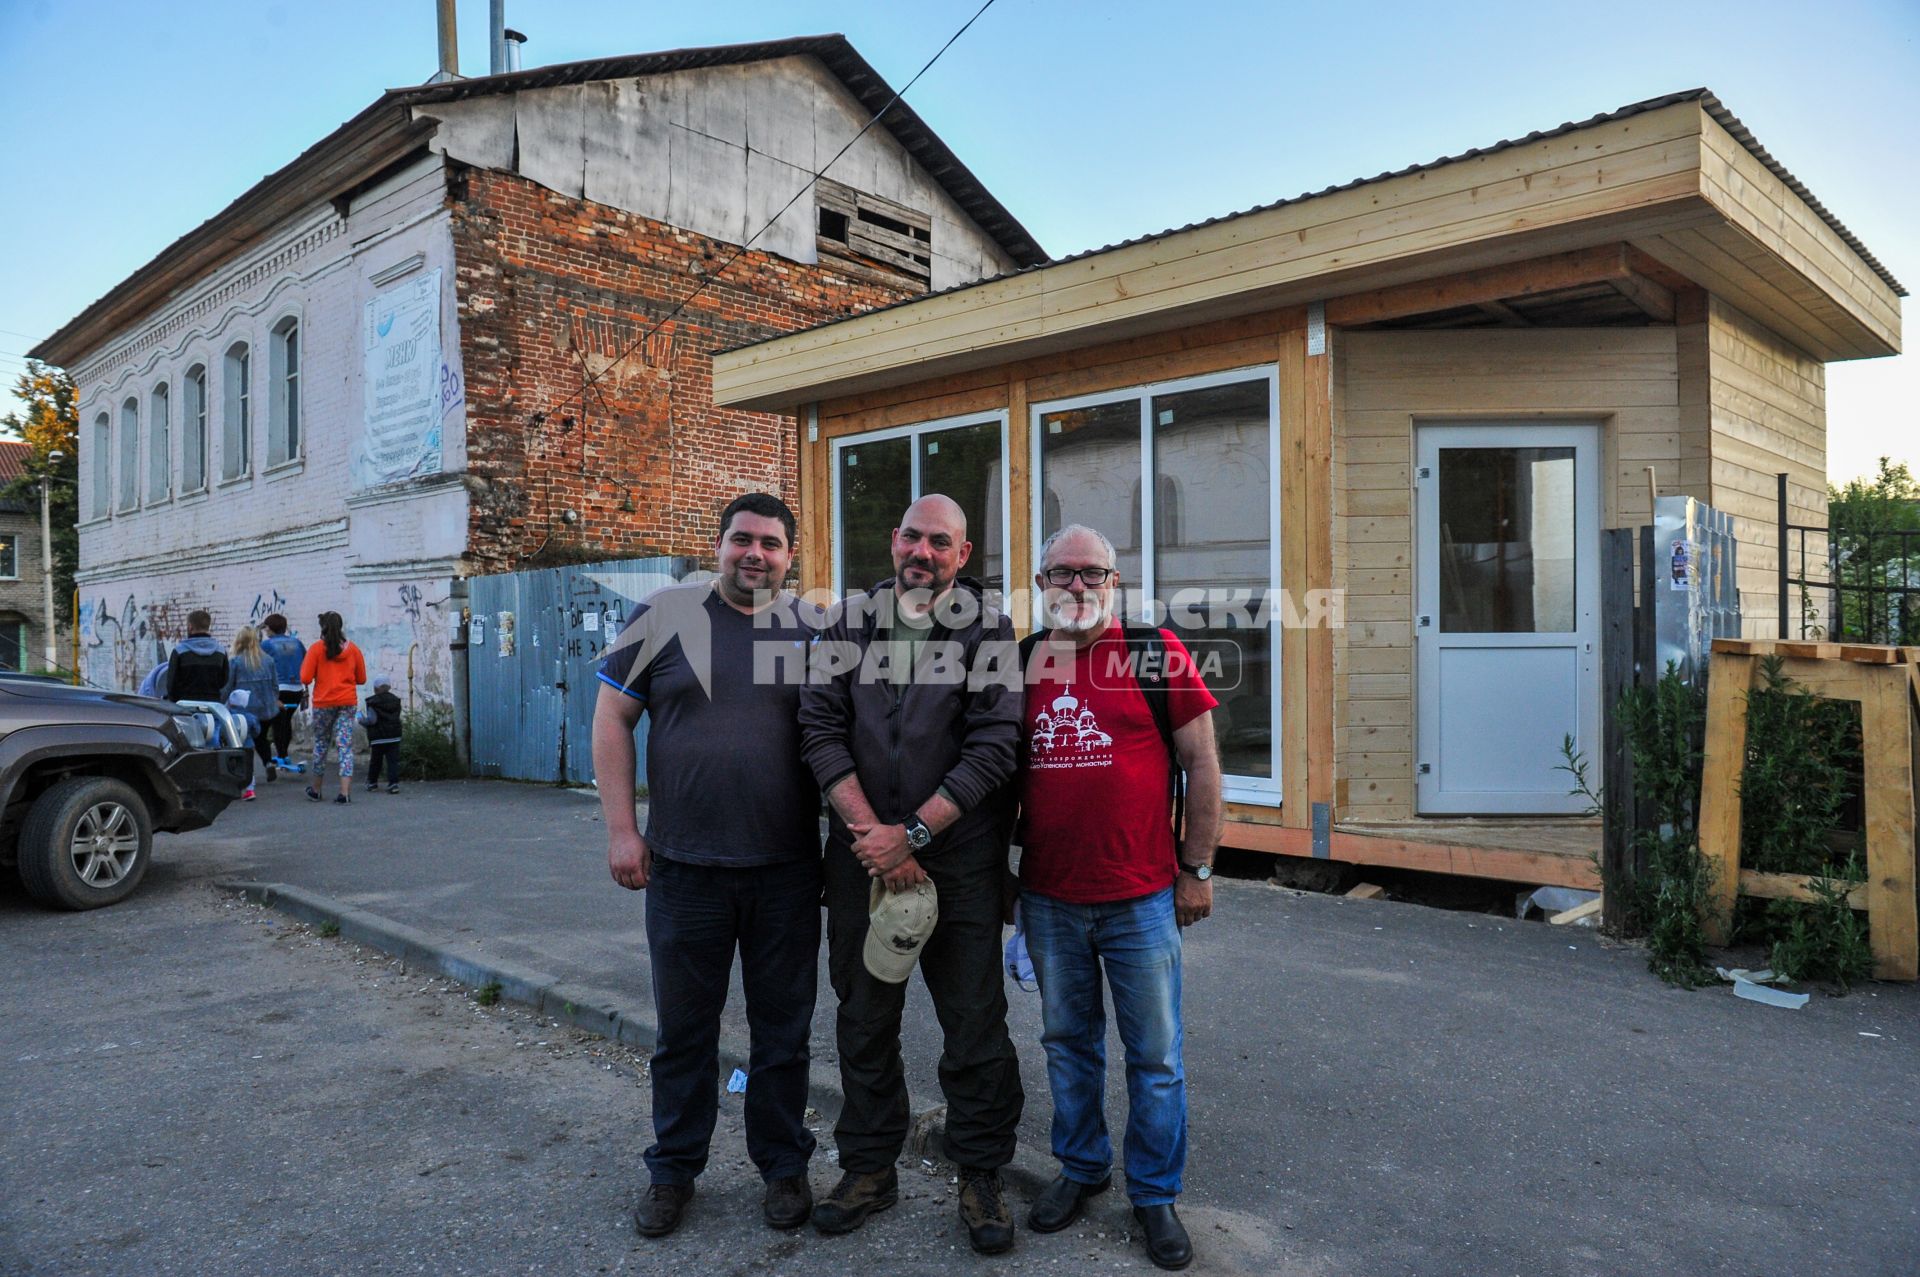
533, 647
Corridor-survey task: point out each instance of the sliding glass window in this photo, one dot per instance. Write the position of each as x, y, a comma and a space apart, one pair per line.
876, 476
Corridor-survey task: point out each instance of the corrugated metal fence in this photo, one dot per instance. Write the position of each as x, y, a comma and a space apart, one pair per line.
535, 639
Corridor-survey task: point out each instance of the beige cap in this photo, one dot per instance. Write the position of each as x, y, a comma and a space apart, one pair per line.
898, 924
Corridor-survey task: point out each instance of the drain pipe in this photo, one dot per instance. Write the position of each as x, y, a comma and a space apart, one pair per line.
462, 715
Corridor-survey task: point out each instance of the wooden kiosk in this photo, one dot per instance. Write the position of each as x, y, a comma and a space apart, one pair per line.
1390, 420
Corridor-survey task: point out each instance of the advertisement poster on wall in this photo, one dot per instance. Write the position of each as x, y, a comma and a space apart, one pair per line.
400, 357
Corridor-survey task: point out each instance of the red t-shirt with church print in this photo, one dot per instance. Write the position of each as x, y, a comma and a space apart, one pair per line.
1096, 809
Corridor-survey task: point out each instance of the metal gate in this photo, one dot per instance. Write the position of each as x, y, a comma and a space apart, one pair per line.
531, 651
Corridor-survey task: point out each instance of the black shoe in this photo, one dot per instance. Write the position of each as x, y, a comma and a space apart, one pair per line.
983, 1209
855, 1197
1060, 1204
660, 1211
273, 773
341, 800
393, 789
1168, 1245
788, 1201
313, 795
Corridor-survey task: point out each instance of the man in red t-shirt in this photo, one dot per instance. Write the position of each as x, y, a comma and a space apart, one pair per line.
1104, 891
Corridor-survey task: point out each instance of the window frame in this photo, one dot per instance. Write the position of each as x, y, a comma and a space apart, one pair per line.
11, 542
1262, 791
101, 480
912, 432
197, 377
160, 442
126, 458
285, 421
10, 626
238, 406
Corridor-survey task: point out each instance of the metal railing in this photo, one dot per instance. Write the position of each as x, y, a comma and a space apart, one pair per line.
1848, 585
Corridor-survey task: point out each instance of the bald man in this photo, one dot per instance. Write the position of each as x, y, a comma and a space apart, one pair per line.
911, 722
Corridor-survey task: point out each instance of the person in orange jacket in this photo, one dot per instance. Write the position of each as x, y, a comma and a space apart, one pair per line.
333, 671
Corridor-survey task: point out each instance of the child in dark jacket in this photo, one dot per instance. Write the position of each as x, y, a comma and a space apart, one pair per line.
381, 717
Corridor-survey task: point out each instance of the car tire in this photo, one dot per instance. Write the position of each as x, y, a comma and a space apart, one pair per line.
86, 842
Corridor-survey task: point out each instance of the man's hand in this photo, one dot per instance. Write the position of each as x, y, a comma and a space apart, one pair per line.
629, 859
881, 848
1192, 899
908, 874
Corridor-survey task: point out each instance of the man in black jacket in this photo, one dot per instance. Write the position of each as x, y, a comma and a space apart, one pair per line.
197, 671
911, 721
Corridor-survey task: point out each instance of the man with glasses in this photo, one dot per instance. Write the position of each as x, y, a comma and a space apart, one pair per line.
1110, 710
911, 718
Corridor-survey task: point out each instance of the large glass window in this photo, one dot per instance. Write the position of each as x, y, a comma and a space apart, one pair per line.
159, 444
102, 465
130, 453
1187, 470
877, 476
193, 424
1506, 541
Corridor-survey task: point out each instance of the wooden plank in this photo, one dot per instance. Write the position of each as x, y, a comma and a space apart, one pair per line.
1744, 647
1578, 912
1793, 887
1292, 354
1729, 678
1870, 653
914, 411
1887, 750
1020, 542
1366, 891
1653, 300
1317, 514
1471, 288
1537, 867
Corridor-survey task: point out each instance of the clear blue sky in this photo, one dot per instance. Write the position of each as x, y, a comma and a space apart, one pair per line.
128, 124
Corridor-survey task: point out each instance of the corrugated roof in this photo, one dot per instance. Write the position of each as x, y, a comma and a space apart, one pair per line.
1711, 104
13, 460
834, 51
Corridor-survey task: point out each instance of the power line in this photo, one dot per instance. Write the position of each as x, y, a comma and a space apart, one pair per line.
540, 417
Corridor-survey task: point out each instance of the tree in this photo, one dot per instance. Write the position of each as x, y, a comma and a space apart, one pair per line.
50, 424
1875, 534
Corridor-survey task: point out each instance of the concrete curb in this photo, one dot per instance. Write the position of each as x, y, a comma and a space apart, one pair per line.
591, 1010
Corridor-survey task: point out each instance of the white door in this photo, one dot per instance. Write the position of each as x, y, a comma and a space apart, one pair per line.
1507, 592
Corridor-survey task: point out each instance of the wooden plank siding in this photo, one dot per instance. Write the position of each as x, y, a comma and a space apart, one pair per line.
1768, 414
1626, 379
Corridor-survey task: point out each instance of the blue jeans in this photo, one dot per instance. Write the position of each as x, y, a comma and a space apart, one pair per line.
698, 916
1136, 944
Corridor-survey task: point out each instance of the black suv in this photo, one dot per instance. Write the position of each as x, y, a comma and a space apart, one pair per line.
87, 776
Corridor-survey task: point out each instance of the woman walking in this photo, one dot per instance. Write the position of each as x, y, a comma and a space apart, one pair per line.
250, 670
334, 669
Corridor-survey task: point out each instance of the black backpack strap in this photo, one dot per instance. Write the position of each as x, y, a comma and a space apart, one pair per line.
1148, 649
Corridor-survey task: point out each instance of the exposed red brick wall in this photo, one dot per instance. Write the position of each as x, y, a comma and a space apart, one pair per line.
551, 288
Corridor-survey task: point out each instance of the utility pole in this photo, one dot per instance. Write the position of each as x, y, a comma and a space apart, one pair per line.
54, 458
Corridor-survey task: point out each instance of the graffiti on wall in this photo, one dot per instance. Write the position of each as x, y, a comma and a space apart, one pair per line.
265, 605
119, 646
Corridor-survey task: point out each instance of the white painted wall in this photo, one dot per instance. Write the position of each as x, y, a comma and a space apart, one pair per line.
716, 150
293, 538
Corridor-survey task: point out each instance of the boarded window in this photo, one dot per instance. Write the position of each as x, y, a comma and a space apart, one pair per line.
873, 233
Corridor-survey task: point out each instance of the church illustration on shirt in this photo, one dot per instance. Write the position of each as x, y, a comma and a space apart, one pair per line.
1066, 731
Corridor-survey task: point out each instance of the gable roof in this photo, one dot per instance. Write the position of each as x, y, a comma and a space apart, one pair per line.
386, 132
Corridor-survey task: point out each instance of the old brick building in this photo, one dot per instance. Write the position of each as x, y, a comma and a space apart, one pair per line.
22, 579
367, 377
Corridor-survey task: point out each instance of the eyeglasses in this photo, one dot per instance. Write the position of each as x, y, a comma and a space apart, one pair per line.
1095, 577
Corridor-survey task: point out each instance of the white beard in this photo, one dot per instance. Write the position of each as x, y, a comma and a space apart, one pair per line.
1086, 624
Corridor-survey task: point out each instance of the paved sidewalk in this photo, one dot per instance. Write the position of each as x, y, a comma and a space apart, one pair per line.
1374, 1087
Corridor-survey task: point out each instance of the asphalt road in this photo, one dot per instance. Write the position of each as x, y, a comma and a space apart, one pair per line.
1375, 1087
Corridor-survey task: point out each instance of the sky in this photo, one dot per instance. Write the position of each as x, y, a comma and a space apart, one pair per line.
126, 125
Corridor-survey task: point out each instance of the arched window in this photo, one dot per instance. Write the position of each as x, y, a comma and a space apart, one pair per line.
160, 443
193, 425
130, 454
102, 465
283, 407
236, 412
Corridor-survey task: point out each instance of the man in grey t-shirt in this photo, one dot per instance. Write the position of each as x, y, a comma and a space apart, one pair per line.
731, 854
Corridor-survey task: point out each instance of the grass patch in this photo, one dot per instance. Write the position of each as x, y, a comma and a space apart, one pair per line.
426, 744
487, 994
326, 929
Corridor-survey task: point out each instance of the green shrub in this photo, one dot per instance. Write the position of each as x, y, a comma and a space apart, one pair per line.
426, 744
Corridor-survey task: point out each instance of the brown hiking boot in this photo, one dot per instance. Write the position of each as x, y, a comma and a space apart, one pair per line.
788, 1202
660, 1211
984, 1211
855, 1197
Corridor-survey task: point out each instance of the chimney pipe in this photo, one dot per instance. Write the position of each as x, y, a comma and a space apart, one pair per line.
449, 42
514, 40
496, 37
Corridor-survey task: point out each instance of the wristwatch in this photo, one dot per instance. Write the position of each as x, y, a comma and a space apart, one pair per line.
918, 835
1202, 872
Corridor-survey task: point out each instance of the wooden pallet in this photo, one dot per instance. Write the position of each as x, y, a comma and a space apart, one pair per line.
1886, 683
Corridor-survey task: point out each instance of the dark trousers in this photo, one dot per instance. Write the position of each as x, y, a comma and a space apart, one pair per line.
282, 727
979, 1072
387, 752
696, 917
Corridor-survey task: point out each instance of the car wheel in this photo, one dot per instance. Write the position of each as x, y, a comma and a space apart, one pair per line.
85, 843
